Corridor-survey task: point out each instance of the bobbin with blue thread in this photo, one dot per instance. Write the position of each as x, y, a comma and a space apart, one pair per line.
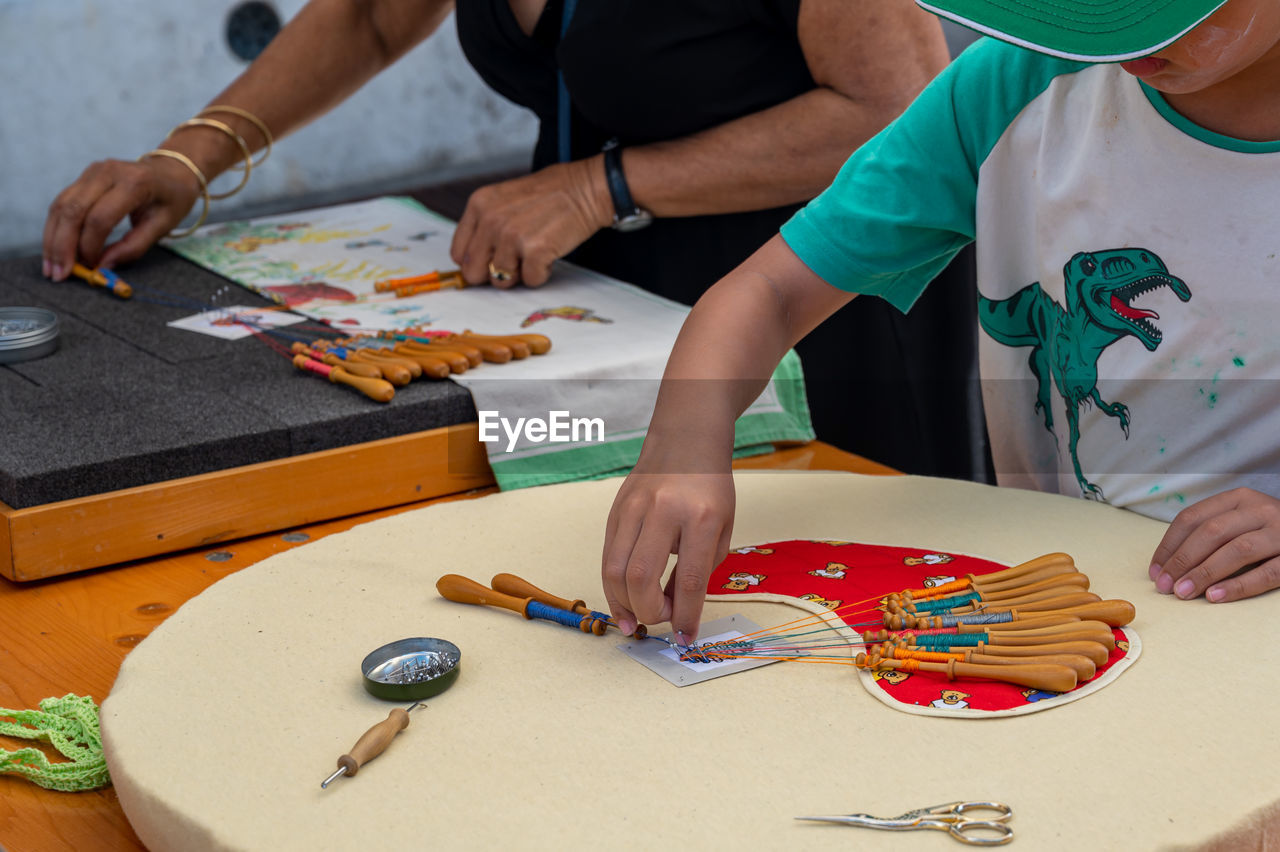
511, 584
460, 589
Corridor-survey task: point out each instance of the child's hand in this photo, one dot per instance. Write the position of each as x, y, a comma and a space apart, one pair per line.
653, 516
1226, 547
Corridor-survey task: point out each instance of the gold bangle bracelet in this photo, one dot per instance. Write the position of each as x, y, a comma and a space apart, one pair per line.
249, 117
195, 170
235, 137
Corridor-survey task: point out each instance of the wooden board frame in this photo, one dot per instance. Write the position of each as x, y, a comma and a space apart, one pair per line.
198, 511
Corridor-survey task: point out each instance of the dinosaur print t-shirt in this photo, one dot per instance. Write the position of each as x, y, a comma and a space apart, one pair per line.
1128, 270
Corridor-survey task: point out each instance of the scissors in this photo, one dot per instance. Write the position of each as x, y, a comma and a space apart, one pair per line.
953, 817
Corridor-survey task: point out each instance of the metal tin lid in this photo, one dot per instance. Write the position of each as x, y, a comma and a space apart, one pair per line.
411, 669
27, 333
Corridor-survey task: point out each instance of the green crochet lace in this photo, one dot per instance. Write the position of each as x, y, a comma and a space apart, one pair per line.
70, 724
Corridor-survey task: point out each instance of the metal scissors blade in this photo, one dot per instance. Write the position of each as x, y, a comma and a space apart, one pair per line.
951, 817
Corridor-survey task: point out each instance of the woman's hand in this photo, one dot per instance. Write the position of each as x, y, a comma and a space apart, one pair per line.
325, 53
518, 227
653, 516
155, 193
1226, 547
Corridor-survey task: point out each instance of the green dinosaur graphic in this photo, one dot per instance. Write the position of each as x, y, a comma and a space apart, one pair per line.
1066, 343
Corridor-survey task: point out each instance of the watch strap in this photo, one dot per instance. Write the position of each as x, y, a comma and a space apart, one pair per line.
623, 205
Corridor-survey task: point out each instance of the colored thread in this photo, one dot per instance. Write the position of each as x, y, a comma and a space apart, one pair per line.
932, 631
69, 724
550, 613
982, 618
931, 606
938, 591
952, 640
928, 656
316, 367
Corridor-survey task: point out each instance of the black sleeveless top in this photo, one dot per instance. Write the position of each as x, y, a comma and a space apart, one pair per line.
897, 389
646, 71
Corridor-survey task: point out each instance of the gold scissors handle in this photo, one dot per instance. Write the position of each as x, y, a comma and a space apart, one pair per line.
951, 817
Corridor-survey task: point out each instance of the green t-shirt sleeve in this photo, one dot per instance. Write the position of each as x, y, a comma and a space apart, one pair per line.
904, 203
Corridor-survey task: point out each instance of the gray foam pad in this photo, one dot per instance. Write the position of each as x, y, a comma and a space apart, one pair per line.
127, 401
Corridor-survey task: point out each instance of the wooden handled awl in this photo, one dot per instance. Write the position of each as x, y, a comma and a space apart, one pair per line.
372, 743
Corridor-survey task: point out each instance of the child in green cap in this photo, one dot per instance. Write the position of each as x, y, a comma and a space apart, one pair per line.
1118, 164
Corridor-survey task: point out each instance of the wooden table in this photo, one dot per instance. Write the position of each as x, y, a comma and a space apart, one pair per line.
69, 635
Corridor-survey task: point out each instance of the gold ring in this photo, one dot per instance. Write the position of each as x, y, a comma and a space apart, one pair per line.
499, 274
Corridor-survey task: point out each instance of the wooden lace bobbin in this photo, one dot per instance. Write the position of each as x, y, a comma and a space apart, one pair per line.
396, 373
1051, 678
538, 344
1075, 579
375, 389
1016, 640
433, 366
460, 589
1025, 623
495, 349
519, 587
385, 356
355, 368
1045, 599
1081, 665
473, 356
1049, 632
491, 351
510, 584
1062, 596
1033, 604
457, 362
978, 585
1115, 613
1049, 560
1096, 652
1061, 584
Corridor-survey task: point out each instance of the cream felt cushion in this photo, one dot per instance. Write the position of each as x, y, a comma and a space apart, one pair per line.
224, 721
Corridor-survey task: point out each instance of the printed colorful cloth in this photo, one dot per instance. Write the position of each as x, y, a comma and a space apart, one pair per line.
847, 579
597, 386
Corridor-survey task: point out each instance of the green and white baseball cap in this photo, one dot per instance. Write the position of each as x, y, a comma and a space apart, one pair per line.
1087, 30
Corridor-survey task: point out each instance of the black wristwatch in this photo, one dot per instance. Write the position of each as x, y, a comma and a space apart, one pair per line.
626, 215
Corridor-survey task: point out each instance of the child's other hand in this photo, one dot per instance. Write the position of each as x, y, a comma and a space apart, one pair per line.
653, 516
1226, 547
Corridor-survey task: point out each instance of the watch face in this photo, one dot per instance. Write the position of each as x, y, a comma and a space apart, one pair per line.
633, 221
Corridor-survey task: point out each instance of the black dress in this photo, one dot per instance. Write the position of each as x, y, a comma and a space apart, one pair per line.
895, 389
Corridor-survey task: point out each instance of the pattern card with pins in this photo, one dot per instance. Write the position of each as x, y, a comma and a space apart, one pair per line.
236, 321
663, 658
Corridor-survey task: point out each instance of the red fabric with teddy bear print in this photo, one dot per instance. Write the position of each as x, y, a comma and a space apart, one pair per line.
841, 573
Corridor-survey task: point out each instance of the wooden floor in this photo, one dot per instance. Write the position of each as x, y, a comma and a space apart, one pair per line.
69, 635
